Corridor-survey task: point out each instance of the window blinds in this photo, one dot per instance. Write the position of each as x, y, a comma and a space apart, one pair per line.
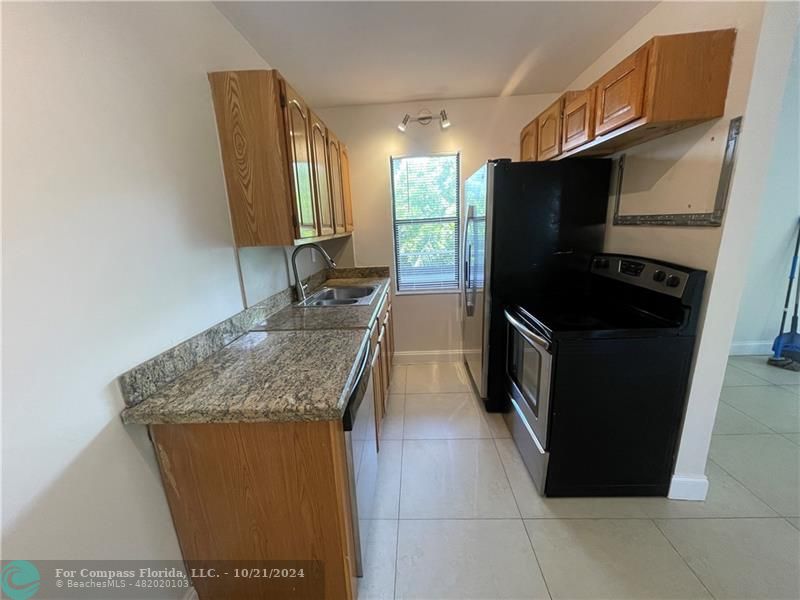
425, 210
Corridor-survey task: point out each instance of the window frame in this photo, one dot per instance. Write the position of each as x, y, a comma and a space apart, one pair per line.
459, 207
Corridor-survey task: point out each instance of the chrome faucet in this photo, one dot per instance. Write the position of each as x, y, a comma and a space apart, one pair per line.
299, 285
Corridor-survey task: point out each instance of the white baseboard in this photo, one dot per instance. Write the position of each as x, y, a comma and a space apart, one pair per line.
688, 488
408, 357
751, 348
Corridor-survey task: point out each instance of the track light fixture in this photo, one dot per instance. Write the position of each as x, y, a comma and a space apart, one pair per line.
424, 117
404, 123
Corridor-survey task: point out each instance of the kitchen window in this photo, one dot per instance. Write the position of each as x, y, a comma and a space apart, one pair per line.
425, 214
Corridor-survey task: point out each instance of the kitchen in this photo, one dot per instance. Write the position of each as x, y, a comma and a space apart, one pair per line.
197, 277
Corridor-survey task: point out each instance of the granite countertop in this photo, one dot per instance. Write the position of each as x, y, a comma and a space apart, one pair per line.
263, 376
298, 318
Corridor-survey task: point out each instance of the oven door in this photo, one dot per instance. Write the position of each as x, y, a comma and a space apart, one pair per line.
528, 368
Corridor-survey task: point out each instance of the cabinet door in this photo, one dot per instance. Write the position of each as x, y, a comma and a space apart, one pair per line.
384, 367
348, 201
298, 128
390, 337
337, 196
319, 153
549, 142
527, 141
377, 390
578, 121
620, 92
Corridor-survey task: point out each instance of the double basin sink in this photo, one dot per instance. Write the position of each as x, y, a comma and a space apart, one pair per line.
341, 296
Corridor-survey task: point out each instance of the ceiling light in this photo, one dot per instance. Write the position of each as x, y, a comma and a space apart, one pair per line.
424, 117
404, 123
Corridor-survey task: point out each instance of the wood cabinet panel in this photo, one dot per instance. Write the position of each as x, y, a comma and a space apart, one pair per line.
384, 367
298, 126
337, 194
265, 491
620, 92
321, 169
377, 390
528, 141
283, 167
688, 76
346, 193
253, 146
390, 336
549, 135
578, 121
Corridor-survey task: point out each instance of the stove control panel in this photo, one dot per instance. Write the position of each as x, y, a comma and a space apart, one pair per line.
655, 276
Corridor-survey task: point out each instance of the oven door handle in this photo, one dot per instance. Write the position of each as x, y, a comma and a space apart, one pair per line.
533, 338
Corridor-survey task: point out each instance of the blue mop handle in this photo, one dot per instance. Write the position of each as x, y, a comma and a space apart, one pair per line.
792, 272
779, 341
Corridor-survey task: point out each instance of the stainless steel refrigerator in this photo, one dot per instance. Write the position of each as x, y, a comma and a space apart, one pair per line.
525, 225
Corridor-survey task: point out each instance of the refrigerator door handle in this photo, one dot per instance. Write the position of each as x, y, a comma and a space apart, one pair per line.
468, 306
467, 263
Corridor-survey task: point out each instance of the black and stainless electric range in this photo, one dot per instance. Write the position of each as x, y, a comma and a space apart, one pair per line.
597, 378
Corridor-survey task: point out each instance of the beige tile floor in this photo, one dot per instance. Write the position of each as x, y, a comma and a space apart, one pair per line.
457, 515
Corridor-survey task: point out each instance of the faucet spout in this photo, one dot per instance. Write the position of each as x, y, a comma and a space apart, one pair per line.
300, 287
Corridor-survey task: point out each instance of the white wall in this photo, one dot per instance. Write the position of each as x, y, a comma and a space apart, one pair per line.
481, 129
685, 167
762, 301
116, 246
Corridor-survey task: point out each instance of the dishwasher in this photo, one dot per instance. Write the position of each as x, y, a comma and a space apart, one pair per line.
361, 446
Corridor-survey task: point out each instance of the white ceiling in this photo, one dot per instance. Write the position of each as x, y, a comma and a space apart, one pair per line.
343, 53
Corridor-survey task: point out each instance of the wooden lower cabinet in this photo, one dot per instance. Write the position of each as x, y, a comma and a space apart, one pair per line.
384, 367
241, 492
245, 494
390, 332
382, 342
378, 390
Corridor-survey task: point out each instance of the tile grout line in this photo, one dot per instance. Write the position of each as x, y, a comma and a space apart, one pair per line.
399, 500
753, 374
771, 430
688, 566
731, 475
522, 519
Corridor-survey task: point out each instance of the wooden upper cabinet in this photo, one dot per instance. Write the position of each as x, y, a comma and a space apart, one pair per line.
670, 83
322, 186
282, 183
252, 137
337, 194
549, 135
298, 137
688, 76
527, 141
620, 92
578, 120
346, 193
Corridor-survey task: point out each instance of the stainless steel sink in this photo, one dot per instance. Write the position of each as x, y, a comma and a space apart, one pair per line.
340, 302
342, 296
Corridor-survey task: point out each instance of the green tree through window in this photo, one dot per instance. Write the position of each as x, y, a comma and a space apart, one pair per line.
425, 208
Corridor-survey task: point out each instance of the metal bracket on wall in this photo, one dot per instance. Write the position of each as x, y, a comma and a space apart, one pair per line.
709, 219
